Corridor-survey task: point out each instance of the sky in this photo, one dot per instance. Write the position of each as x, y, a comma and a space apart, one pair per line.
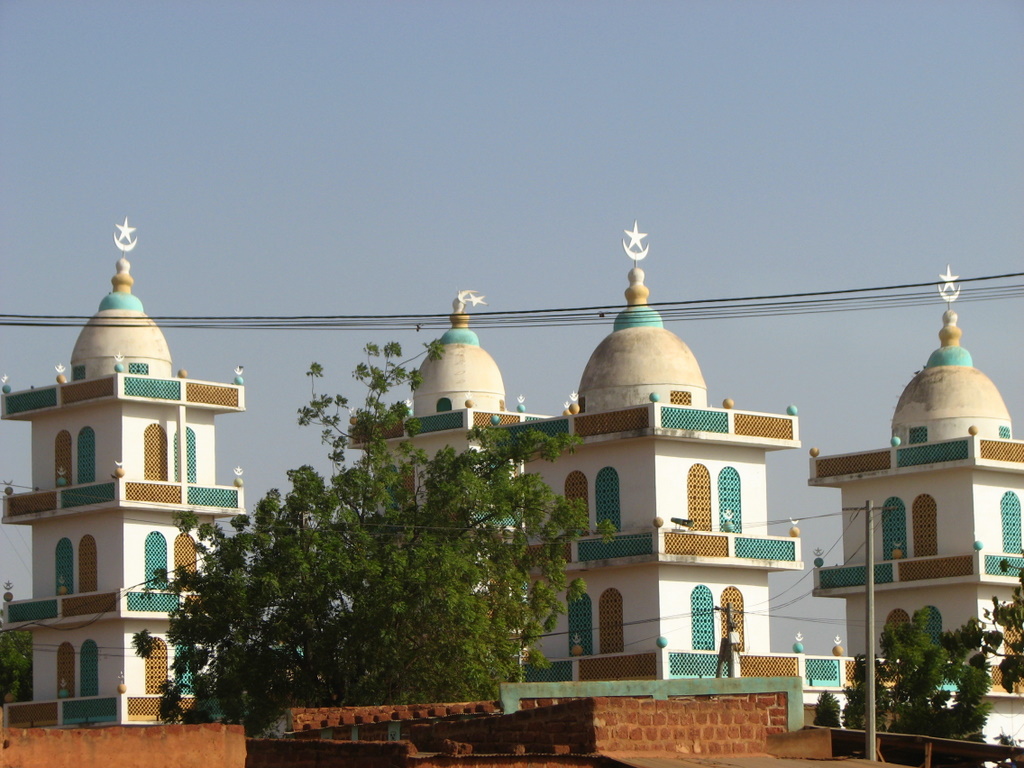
332, 158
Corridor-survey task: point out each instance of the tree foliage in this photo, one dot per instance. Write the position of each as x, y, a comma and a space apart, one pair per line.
826, 711
923, 687
401, 577
1001, 636
15, 664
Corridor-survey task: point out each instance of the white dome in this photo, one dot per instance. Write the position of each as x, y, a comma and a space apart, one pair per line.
465, 372
948, 400
125, 332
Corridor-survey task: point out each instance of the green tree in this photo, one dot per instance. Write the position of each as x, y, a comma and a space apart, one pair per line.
401, 577
15, 664
826, 711
1001, 635
924, 687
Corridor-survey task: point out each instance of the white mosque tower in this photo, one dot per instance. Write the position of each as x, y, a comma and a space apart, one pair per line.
946, 494
116, 452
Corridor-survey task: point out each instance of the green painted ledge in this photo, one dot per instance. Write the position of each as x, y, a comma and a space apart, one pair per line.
513, 693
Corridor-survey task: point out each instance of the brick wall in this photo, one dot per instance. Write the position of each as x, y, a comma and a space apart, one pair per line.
180, 746
330, 717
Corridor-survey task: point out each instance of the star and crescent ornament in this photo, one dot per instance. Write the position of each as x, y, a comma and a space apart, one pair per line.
949, 291
123, 239
636, 250
459, 305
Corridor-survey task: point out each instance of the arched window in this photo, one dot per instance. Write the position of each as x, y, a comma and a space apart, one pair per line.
64, 560
924, 513
86, 455
698, 497
155, 453
934, 624
190, 454
156, 667
894, 527
87, 564
184, 665
444, 404
609, 612
702, 610
576, 488
66, 670
606, 491
581, 625
733, 597
1009, 511
62, 457
184, 554
88, 666
156, 558
729, 508
896, 617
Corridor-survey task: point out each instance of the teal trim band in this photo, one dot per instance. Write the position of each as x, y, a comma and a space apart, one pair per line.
121, 301
660, 690
638, 317
460, 336
950, 356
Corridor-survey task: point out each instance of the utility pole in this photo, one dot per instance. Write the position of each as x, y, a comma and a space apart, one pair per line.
869, 636
728, 649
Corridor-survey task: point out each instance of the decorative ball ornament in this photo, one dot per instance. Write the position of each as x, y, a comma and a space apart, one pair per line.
818, 562
566, 412
521, 408
815, 452
119, 472
182, 373
118, 367
659, 522
798, 647
794, 532
353, 421
239, 380
574, 408
495, 419
62, 481
838, 650
122, 688
897, 553
577, 650
655, 397
791, 410
63, 693
8, 698
8, 491
972, 430
8, 596
728, 527
978, 546
661, 642
895, 442
62, 590
7, 389
728, 403
62, 379
239, 482
470, 404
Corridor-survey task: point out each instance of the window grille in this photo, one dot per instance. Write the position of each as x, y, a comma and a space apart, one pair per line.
444, 404
729, 501
77, 372
156, 558
934, 625
581, 625
184, 554
141, 369
732, 596
88, 665
1009, 510
897, 617
86, 455
190, 454
62, 457
702, 610
576, 488
698, 497
609, 610
607, 493
1004, 432
65, 567
924, 513
894, 527
87, 565
156, 667
66, 670
918, 435
155, 453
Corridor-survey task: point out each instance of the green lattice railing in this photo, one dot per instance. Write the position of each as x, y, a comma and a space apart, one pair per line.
623, 545
766, 549
933, 453
439, 421
88, 494
822, 672
34, 611
160, 389
89, 711
548, 427
853, 576
1004, 565
692, 664
32, 400
212, 497
160, 602
694, 420
558, 672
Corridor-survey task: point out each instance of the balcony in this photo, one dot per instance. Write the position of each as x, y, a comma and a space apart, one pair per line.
90, 605
697, 547
121, 493
121, 386
86, 710
988, 567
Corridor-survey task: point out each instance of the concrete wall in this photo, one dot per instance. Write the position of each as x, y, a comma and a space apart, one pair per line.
169, 746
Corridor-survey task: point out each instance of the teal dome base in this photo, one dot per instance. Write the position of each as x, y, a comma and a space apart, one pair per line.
950, 356
460, 336
121, 301
638, 317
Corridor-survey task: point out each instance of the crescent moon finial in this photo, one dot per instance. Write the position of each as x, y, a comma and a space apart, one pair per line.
636, 250
123, 239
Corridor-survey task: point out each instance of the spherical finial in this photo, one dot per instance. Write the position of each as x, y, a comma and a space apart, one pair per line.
182, 373
972, 430
897, 553
661, 642
798, 647
574, 408
791, 410
837, 649
728, 403
8, 596
659, 522
8, 491
815, 452
637, 292
495, 419
654, 397
521, 408
118, 367
818, 562
979, 545
8, 697
895, 441
122, 688
577, 650
794, 532
470, 404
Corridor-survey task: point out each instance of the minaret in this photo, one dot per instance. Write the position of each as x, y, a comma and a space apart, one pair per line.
946, 492
116, 452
